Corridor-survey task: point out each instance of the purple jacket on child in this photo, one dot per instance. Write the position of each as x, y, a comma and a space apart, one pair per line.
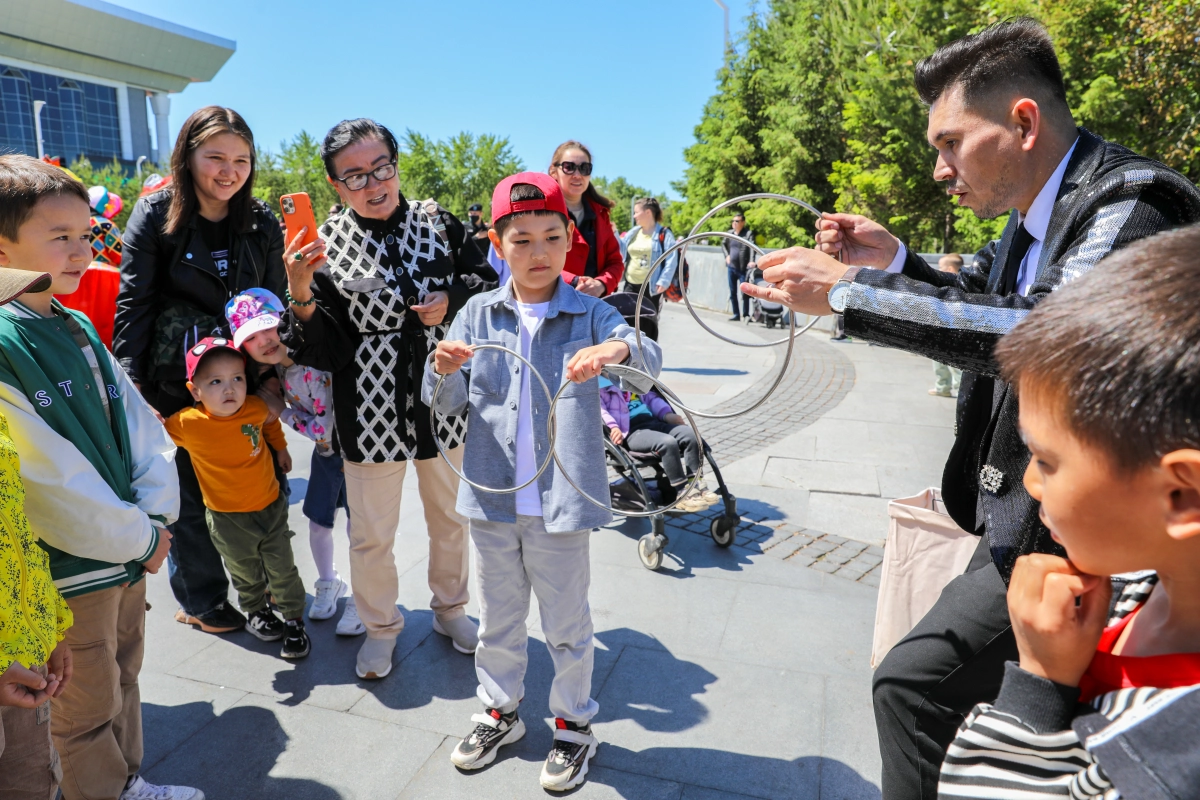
614, 406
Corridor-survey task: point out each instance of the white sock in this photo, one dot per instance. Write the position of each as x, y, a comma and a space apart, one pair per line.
320, 540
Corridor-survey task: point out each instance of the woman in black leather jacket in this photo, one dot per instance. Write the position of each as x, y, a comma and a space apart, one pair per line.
188, 249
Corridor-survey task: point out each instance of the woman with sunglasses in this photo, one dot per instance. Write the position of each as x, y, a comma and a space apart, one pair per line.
368, 301
594, 263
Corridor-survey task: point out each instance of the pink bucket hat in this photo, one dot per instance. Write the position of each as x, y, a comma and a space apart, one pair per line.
252, 311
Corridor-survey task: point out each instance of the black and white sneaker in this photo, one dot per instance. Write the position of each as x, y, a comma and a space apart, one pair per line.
295, 640
567, 764
265, 625
492, 730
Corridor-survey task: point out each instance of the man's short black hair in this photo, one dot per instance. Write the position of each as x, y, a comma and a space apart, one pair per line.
24, 180
1118, 351
1015, 55
475, 207
524, 191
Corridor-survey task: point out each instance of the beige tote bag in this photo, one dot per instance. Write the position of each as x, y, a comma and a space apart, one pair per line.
925, 550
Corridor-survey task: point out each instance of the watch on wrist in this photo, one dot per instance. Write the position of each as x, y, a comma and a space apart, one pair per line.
839, 293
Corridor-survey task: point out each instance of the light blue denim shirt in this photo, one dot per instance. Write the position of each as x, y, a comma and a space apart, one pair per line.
489, 388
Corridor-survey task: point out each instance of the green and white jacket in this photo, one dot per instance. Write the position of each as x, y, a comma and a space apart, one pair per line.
98, 467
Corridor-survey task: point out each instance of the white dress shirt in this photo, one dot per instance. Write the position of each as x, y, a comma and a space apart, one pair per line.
1036, 221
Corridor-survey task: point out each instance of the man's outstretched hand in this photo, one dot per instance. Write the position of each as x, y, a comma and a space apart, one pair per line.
802, 279
860, 241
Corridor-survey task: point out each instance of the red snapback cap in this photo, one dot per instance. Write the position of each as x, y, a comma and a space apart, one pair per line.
502, 206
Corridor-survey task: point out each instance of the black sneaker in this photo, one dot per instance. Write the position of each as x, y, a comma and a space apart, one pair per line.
492, 730
567, 764
265, 625
222, 619
295, 640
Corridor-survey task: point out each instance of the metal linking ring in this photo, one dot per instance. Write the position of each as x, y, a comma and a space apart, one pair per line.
551, 427
696, 478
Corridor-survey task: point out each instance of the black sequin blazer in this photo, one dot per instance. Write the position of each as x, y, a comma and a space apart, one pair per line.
1109, 197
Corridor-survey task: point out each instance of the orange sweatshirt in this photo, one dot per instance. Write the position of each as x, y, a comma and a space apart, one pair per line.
231, 459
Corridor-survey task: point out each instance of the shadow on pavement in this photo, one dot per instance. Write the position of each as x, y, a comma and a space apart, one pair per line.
202, 758
650, 685
805, 778
706, 371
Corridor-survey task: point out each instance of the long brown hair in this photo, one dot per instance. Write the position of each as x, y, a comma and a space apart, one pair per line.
202, 125
590, 193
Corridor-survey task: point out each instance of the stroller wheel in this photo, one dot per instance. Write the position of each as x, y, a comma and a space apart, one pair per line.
650, 550
722, 530
770, 322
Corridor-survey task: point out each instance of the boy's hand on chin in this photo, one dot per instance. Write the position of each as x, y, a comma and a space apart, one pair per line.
1055, 637
449, 356
588, 362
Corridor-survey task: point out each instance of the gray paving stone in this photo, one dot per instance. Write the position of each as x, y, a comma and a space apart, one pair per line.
849, 741
832, 539
825, 565
849, 573
821, 546
861, 518
870, 579
875, 550
247, 749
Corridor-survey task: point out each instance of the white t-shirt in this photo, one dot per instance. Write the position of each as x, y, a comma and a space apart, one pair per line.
529, 499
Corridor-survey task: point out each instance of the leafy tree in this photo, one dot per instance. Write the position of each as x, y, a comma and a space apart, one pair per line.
296, 168
623, 193
456, 172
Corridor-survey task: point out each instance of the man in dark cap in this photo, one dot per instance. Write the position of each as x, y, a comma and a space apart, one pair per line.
476, 228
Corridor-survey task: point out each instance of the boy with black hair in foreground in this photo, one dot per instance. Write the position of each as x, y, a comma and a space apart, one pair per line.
537, 537
99, 477
1105, 701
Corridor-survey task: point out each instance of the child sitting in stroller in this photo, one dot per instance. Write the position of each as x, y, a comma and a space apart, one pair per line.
646, 423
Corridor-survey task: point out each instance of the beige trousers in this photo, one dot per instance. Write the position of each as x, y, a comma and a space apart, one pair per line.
97, 721
373, 494
29, 767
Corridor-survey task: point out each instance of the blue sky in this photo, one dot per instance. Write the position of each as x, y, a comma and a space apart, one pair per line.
627, 77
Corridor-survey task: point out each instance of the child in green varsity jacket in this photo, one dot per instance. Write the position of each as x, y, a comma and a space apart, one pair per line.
99, 476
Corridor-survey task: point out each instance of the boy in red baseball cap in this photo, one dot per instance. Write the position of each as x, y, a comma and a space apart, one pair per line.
534, 532
247, 513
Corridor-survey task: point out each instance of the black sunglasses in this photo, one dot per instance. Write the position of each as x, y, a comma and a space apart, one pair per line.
359, 180
570, 167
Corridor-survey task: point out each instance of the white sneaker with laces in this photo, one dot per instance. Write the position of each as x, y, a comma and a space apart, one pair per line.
138, 789
350, 624
324, 604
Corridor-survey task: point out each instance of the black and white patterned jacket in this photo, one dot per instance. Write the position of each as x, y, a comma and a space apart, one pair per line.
364, 333
1109, 197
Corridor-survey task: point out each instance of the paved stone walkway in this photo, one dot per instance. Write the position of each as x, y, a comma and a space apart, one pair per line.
730, 673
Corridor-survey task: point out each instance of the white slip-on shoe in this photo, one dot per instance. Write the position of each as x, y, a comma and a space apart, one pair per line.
138, 789
350, 624
324, 604
462, 632
375, 658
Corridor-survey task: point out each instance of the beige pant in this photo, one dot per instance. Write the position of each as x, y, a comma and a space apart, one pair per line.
29, 767
97, 721
373, 494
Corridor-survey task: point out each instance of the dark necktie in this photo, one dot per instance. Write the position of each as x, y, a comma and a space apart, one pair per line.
1016, 253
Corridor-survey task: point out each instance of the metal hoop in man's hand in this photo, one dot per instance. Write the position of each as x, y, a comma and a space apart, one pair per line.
551, 428
696, 478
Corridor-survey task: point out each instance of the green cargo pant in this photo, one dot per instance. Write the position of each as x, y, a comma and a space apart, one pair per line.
257, 551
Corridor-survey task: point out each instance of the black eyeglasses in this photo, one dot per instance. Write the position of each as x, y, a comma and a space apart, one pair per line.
570, 167
359, 180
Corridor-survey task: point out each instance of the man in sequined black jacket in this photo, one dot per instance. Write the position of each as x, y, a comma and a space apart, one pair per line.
1006, 140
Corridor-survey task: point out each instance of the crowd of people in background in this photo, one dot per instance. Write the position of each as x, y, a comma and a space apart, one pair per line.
170, 448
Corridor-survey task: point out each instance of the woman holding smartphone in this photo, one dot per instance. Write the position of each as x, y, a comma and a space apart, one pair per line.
188, 249
594, 263
368, 302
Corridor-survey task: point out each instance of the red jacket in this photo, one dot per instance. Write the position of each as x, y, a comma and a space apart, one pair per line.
610, 265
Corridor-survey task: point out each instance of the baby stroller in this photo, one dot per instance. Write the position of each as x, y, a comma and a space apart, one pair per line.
763, 310
640, 483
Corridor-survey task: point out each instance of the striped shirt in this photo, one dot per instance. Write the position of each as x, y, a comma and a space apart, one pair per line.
1037, 743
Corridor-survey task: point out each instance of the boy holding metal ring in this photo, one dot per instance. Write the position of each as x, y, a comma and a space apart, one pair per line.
538, 537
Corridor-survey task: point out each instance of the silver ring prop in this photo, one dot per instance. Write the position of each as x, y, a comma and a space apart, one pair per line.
551, 426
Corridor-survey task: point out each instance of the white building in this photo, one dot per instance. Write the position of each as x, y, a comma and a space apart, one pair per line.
85, 77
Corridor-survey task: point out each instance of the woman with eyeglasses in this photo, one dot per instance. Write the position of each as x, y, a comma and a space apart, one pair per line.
189, 248
368, 301
594, 262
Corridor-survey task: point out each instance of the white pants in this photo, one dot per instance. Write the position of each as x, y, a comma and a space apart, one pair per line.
511, 558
